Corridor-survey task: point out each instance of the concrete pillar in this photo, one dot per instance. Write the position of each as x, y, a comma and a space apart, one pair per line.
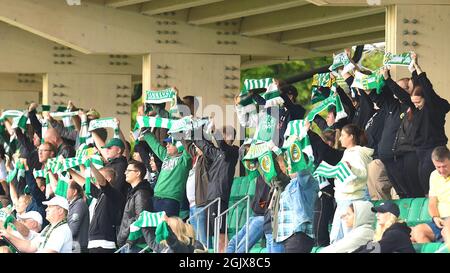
17, 91
215, 79
423, 29
109, 94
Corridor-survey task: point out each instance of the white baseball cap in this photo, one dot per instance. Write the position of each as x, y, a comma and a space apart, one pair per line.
58, 201
34, 215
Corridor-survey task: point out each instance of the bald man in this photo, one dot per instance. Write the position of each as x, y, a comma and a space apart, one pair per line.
52, 136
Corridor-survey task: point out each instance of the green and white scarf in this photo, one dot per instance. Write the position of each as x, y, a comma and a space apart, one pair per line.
305, 147
104, 123
149, 122
341, 172
186, 124
163, 96
63, 185
145, 219
18, 171
266, 128
294, 158
257, 150
19, 118
297, 128
369, 82
341, 60
250, 84
85, 137
333, 99
44, 128
50, 108
267, 167
272, 96
322, 80
403, 59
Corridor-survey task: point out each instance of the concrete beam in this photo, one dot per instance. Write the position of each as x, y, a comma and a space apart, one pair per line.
160, 6
377, 2
327, 45
301, 17
334, 30
97, 29
23, 52
123, 3
233, 9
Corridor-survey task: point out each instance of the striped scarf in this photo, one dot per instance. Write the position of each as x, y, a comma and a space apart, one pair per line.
19, 118
296, 127
250, 84
149, 122
105, 123
272, 96
331, 100
63, 185
266, 128
145, 219
341, 172
50, 108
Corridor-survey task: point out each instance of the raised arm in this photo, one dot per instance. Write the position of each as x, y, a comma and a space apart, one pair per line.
159, 150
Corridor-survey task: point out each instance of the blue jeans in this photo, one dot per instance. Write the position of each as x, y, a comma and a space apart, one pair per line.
255, 233
170, 206
272, 246
199, 223
133, 249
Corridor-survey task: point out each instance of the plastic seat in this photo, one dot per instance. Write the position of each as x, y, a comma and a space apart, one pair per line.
415, 211
424, 214
430, 247
404, 206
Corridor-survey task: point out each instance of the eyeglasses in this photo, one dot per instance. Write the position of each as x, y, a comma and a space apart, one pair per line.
127, 171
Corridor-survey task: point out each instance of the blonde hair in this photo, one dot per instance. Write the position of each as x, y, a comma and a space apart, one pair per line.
380, 229
179, 229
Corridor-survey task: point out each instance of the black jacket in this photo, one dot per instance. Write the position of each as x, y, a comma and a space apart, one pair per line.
395, 239
394, 110
431, 131
119, 165
260, 200
139, 199
222, 163
78, 220
107, 213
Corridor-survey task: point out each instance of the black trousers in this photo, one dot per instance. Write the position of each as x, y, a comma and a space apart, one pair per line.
426, 167
403, 172
323, 216
298, 243
101, 250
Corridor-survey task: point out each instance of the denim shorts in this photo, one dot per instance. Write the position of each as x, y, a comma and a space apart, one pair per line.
436, 231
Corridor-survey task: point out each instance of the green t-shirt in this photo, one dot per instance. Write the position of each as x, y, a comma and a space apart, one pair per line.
174, 172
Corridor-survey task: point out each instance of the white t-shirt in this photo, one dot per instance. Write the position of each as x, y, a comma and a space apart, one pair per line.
3, 173
190, 187
60, 240
31, 235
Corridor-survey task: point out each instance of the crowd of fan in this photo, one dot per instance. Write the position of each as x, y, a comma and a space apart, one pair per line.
393, 141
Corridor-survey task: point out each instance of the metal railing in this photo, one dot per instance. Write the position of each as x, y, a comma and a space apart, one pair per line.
207, 207
219, 218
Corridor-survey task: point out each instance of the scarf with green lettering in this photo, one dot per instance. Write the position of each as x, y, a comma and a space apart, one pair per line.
145, 219
105, 123
369, 82
403, 59
163, 96
333, 99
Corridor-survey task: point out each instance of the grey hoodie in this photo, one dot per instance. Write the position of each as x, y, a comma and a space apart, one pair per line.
361, 233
